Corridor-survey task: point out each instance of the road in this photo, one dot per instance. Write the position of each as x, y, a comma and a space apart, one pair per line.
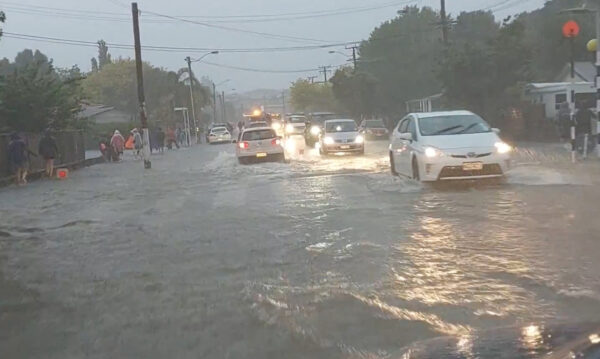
319, 258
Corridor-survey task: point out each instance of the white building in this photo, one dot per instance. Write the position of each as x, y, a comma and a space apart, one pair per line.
552, 94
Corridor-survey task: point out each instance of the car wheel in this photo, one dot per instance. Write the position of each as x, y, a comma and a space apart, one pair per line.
415, 170
393, 165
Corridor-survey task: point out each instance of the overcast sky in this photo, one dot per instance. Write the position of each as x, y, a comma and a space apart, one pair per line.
109, 20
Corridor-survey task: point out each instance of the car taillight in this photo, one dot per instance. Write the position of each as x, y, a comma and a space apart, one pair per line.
276, 142
244, 145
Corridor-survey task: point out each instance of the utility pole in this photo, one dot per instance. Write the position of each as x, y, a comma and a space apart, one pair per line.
140, 87
354, 48
312, 79
444, 22
191, 78
283, 103
223, 105
214, 103
596, 123
324, 71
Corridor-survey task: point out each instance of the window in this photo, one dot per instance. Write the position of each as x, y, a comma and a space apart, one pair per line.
412, 128
452, 125
258, 135
558, 99
403, 126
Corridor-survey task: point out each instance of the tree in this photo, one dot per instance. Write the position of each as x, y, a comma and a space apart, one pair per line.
34, 96
2, 19
116, 86
356, 91
104, 57
308, 97
94, 65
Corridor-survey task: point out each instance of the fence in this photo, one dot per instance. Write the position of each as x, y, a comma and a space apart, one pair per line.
71, 151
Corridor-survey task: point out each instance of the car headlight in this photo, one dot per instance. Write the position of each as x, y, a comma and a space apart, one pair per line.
289, 128
502, 147
328, 141
431, 152
276, 126
315, 130
359, 139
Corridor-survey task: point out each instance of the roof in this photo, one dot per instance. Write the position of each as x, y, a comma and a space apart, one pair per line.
340, 120
441, 113
583, 69
88, 111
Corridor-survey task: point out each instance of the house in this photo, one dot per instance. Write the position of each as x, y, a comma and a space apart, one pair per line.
552, 94
101, 114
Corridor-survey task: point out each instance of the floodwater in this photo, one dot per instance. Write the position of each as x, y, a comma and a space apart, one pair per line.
319, 258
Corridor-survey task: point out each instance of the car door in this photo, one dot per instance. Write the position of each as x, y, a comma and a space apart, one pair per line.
398, 145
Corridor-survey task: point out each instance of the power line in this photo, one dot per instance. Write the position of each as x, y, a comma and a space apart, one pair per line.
249, 69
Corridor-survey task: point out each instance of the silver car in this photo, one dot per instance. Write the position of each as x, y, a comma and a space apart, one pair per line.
259, 145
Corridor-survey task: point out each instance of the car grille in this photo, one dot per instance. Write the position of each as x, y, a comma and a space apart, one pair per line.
457, 171
345, 141
475, 156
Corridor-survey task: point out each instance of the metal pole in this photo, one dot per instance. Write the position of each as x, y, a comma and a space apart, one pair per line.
572, 102
214, 103
596, 124
140, 87
191, 78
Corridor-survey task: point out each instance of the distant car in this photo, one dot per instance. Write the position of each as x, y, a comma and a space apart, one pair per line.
374, 130
258, 124
454, 145
341, 136
315, 126
219, 135
259, 145
295, 125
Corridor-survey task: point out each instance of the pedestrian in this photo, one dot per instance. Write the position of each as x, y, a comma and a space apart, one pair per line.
171, 138
137, 142
160, 140
117, 143
583, 126
18, 158
563, 121
49, 151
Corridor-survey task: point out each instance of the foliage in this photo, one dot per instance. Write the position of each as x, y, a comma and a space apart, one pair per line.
356, 91
2, 19
94, 65
116, 85
103, 55
310, 97
35, 96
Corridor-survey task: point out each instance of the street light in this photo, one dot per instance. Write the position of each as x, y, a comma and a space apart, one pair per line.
189, 61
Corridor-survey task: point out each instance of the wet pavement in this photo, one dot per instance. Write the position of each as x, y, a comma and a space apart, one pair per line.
319, 258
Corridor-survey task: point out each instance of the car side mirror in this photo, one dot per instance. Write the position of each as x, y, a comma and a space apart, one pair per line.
407, 136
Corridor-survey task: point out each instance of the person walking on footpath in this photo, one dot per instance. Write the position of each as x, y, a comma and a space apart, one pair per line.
18, 158
160, 140
171, 138
137, 142
117, 142
49, 151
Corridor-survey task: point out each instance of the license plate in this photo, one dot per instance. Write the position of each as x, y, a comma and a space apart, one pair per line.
472, 166
261, 154
344, 147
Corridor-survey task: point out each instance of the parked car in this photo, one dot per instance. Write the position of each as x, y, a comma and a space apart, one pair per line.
259, 145
374, 130
219, 135
341, 136
452, 145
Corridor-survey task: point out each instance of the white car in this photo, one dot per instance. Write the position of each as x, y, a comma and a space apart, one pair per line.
341, 136
257, 124
258, 145
219, 135
295, 125
452, 145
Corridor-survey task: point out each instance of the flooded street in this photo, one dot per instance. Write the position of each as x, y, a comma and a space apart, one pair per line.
319, 258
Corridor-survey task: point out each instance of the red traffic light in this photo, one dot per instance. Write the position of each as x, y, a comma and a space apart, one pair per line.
570, 29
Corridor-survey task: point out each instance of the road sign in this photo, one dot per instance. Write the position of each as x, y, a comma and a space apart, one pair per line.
570, 29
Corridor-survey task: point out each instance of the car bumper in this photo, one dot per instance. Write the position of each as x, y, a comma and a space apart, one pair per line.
350, 147
449, 168
377, 136
219, 139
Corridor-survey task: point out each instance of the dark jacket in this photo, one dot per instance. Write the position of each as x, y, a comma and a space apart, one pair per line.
17, 152
47, 147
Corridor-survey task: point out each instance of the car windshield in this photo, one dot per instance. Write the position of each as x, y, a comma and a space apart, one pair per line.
340, 126
452, 125
257, 135
297, 119
375, 124
258, 124
219, 130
